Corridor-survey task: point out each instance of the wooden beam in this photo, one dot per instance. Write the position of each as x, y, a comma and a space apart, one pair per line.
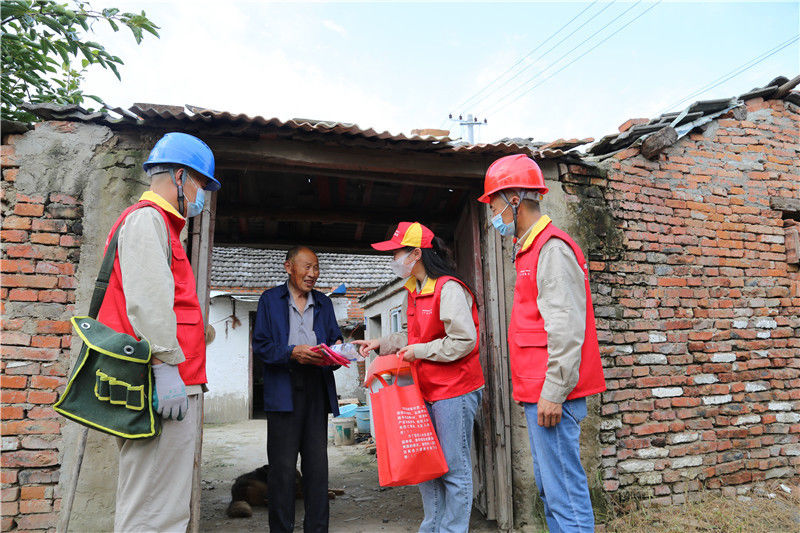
347, 216
267, 243
293, 152
419, 179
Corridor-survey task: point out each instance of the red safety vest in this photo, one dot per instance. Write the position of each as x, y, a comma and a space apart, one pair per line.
527, 338
440, 381
191, 332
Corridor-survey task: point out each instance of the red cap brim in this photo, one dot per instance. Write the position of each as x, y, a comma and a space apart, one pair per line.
385, 246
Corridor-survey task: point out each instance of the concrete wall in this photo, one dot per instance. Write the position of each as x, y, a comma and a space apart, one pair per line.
228, 364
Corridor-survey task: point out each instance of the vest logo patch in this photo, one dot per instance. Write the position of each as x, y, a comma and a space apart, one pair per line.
427, 311
524, 273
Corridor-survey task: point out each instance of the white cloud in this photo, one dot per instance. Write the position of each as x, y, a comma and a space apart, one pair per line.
331, 25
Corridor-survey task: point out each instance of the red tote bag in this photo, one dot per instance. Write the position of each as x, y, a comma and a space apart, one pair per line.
406, 444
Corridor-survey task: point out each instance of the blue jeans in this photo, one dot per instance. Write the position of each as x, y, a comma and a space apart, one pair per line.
447, 500
557, 466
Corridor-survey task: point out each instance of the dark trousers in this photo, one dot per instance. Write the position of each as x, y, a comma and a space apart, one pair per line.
302, 431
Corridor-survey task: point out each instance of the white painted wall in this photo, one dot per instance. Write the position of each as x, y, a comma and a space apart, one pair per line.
228, 361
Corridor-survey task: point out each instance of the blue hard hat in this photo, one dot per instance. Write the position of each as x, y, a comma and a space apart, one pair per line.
184, 149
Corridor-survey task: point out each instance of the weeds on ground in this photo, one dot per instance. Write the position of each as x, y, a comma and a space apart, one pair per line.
711, 512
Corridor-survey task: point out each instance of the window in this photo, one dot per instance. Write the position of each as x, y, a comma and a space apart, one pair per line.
395, 320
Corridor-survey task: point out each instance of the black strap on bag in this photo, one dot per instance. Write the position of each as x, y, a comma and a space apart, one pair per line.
103, 277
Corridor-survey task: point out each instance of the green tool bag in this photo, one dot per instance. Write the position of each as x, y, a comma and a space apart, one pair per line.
111, 386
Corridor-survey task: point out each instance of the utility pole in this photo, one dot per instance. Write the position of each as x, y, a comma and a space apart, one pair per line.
470, 123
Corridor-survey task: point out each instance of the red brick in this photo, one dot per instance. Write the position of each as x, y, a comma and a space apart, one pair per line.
40, 396
8, 475
8, 509
23, 295
57, 296
39, 412
12, 396
30, 354
29, 210
32, 281
13, 222
649, 429
35, 506
49, 225
13, 235
32, 493
57, 368
67, 282
46, 382
8, 156
20, 250
54, 326
30, 427
12, 412
16, 265
13, 382
69, 241
37, 521
64, 199
43, 341
29, 458
10, 174
16, 338
45, 238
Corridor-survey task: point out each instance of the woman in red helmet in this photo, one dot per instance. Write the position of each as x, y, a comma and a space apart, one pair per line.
552, 340
442, 343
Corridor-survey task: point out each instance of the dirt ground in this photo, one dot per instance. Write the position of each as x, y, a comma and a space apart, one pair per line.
233, 449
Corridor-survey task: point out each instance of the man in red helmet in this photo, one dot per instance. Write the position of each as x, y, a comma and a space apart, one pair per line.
554, 353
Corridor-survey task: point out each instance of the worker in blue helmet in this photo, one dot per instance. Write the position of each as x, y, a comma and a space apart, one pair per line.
151, 294
174, 154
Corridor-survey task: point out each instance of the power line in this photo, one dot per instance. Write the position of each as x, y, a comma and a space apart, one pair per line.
463, 104
500, 108
735, 72
552, 64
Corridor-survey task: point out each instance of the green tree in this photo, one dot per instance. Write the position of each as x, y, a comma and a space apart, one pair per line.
46, 50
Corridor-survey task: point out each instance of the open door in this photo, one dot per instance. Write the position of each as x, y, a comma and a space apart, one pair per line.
492, 436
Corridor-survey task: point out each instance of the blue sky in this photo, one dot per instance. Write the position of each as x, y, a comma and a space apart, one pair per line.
399, 66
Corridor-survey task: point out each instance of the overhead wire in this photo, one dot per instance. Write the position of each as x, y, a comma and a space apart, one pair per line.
497, 107
735, 72
463, 104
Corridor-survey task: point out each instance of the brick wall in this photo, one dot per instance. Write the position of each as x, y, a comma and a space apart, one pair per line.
698, 311
40, 237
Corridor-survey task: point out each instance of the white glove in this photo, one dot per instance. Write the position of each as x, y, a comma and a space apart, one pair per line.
169, 393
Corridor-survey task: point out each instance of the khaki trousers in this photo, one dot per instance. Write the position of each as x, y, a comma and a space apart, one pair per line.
155, 477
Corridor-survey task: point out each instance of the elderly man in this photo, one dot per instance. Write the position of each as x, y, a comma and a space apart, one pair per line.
152, 294
298, 392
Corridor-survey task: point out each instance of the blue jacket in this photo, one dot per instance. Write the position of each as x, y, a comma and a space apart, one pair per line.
270, 345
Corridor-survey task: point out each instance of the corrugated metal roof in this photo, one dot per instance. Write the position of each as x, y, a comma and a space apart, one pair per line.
693, 114
193, 118
254, 268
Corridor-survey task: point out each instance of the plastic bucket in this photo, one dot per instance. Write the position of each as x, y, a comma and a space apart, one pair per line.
362, 419
344, 431
348, 410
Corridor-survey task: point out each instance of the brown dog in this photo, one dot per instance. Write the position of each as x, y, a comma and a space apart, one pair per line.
250, 490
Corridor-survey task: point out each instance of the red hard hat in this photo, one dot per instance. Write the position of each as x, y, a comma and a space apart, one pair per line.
512, 172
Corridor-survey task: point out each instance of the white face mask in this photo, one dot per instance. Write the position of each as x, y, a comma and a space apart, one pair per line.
399, 266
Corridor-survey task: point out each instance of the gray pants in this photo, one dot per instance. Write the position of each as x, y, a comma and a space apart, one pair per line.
155, 477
